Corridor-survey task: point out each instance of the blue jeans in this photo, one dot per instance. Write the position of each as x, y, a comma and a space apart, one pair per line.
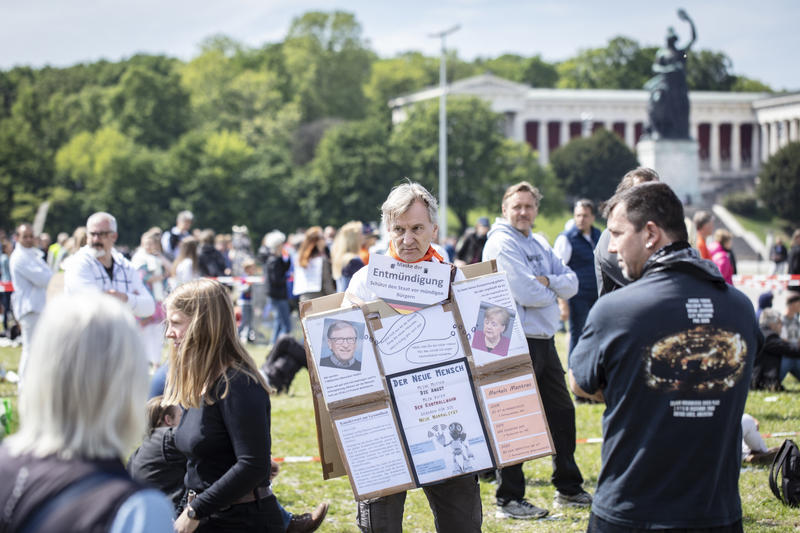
790, 365
283, 321
247, 319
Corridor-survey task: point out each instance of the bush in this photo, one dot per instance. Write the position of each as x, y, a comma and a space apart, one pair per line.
779, 183
592, 167
741, 203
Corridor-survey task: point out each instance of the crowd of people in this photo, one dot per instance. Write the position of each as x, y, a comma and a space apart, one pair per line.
651, 281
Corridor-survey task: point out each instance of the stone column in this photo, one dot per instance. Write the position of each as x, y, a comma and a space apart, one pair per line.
736, 142
544, 144
630, 134
518, 128
695, 131
774, 138
764, 142
563, 133
713, 148
793, 130
755, 152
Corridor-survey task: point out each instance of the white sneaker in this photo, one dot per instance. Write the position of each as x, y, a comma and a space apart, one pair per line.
520, 509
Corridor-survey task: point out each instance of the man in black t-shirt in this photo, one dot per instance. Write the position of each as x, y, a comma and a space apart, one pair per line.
671, 355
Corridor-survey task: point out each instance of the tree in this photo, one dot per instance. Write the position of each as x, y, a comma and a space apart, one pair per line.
107, 171
150, 107
592, 167
329, 63
622, 64
540, 73
533, 71
518, 162
509, 66
395, 77
779, 183
350, 175
748, 85
474, 149
709, 71
208, 168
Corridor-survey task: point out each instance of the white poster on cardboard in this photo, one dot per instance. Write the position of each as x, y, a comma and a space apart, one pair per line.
374, 451
490, 317
440, 421
406, 342
343, 355
408, 287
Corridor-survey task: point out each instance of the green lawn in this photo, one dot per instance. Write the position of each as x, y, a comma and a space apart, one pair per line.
763, 223
300, 486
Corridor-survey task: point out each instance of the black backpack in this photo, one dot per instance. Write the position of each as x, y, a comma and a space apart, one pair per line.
786, 465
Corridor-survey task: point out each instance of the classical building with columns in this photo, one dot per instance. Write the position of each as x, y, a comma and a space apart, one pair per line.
736, 131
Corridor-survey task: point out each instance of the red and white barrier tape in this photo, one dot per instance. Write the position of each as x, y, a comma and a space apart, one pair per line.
777, 282
6, 286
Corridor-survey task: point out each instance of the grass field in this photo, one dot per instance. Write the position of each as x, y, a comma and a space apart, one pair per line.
300, 486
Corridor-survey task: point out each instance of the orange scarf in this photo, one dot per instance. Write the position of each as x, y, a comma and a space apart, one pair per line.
431, 253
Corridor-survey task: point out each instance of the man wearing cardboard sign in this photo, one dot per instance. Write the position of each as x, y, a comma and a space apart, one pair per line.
675, 366
409, 214
537, 277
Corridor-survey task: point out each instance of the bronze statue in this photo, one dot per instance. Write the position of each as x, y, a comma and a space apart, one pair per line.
668, 108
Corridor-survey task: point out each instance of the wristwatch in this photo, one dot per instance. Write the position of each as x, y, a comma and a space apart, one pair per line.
191, 513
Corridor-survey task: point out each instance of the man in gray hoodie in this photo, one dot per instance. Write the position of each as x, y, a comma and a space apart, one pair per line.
537, 278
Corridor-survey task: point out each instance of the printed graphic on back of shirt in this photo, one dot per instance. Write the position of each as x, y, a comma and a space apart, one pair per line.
703, 358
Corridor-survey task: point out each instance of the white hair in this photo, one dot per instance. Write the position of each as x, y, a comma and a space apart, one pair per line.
403, 197
185, 215
86, 381
274, 240
102, 215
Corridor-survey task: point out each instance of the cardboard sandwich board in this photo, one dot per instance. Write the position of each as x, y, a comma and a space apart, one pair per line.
406, 396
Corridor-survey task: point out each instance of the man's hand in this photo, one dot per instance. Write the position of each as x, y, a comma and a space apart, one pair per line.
563, 307
121, 296
184, 524
597, 396
544, 280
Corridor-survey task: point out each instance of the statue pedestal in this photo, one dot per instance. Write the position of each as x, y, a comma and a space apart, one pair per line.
677, 161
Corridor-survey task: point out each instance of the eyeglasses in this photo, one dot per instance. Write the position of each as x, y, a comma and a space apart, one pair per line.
342, 340
100, 233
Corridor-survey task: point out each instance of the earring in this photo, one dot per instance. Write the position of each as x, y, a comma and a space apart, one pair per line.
648, 245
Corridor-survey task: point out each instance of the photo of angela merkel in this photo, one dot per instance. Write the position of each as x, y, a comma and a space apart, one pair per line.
490, 332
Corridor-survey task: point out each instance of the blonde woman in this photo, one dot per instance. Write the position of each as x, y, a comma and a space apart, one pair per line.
80, 414
154, 268
345, 260
312, 270
225, 428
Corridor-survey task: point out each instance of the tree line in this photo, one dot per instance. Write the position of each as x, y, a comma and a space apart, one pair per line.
284, 135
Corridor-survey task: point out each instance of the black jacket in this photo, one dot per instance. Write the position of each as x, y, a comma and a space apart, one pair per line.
767, 366
210, 262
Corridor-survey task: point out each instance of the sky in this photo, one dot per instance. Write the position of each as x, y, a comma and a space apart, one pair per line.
761, 38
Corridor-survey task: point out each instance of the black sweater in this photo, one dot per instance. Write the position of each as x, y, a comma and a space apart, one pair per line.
227, 444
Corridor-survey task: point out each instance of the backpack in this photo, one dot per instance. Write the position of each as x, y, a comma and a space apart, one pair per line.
786, 465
